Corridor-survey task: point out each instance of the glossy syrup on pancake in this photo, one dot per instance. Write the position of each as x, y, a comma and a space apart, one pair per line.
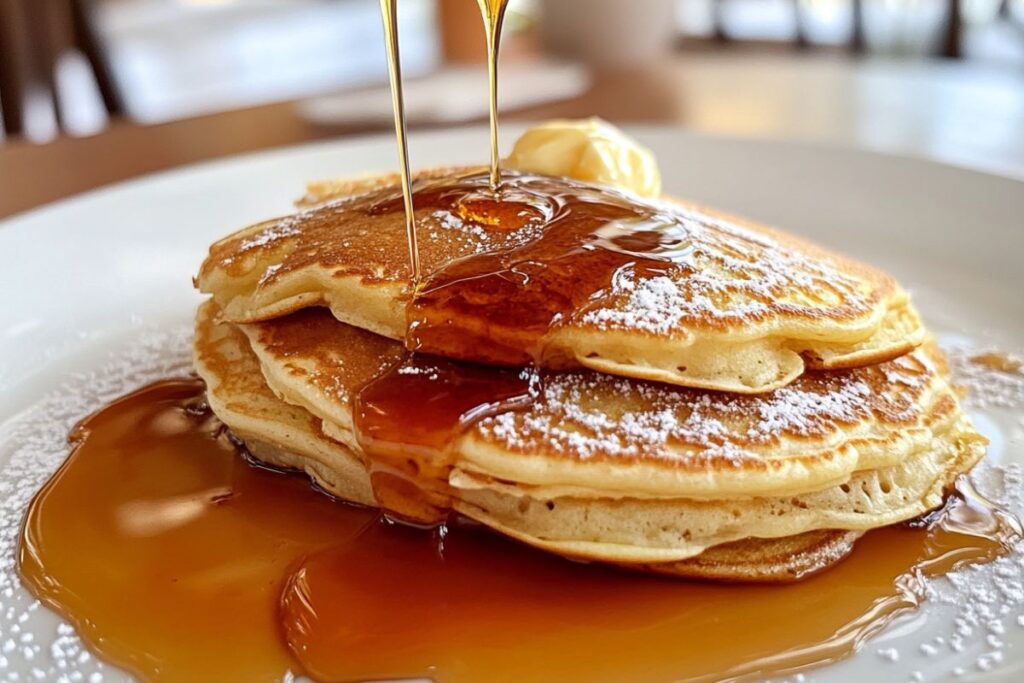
405, 418
177, 559
568, 274
498, 306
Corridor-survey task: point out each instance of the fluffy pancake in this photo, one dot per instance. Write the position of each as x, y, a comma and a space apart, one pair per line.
736, 306
276, 432
659, 530
598, 525
284, 435
588, 432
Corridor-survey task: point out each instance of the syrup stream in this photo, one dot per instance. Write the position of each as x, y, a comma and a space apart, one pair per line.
493, 12
389, 14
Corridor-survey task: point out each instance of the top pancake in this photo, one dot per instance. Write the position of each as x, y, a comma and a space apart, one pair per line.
666, 291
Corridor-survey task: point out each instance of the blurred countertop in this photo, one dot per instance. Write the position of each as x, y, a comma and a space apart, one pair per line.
954, 112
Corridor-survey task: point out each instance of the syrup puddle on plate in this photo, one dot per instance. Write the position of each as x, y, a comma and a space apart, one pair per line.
177, 559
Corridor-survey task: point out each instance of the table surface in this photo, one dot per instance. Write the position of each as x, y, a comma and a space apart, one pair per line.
953, 112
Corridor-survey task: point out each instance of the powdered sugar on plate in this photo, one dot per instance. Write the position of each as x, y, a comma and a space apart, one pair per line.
973, 610
34, 646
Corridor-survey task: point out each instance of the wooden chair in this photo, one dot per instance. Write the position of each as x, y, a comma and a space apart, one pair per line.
34, 34
952, 41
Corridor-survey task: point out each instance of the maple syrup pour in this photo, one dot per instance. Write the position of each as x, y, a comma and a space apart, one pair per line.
498, 306
389, 14
493, 12
178, 559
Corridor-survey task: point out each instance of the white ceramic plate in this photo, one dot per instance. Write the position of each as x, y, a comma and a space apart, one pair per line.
90, 282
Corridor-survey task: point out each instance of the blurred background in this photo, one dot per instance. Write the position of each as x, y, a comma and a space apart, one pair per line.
99, 90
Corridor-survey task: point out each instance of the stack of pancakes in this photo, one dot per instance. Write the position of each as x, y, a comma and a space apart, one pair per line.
747, 416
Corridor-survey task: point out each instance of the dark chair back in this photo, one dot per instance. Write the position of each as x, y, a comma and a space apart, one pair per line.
34, 35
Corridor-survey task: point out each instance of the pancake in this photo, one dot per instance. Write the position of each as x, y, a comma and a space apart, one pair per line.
588, 432
849, 450
275, 432
666, 291
282, 435
769, 560
660, 530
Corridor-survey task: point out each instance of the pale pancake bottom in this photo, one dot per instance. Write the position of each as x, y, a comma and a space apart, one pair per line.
749, 559
747, 538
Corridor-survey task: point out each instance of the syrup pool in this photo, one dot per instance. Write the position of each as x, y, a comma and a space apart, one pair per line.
178, 559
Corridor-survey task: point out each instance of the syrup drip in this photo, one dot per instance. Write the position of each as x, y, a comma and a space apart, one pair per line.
500, 307
179, 560
409, 454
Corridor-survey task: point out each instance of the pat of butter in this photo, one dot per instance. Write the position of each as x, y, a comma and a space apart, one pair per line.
590, 150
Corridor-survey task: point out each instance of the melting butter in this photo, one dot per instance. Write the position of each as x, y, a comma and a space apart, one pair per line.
591, 150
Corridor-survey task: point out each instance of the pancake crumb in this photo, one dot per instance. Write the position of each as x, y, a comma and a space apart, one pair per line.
989, 384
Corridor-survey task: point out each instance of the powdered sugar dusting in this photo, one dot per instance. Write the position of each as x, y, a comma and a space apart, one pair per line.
588, 414
268, 274
429, 372
653, 305
286, 227
473, 237
731, 275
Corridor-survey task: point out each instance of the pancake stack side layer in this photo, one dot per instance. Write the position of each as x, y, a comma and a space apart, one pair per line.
729, 403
